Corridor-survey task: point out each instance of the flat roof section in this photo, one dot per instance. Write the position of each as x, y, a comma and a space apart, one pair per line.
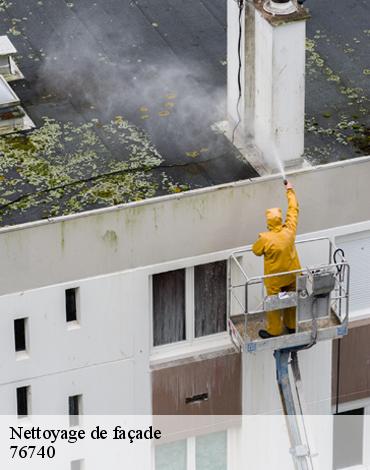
124, 95
337, 81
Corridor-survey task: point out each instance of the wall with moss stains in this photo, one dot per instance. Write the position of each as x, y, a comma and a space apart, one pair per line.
178, 226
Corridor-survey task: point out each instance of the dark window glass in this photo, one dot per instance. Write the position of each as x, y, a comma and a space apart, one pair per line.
169, 307
20, 334
348, 439
74, 405
71, 305
210, 298
22, 401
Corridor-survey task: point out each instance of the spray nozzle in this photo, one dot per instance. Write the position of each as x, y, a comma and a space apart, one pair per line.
285, 182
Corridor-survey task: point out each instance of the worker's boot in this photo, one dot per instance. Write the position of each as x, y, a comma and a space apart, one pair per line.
264, 334
274, 325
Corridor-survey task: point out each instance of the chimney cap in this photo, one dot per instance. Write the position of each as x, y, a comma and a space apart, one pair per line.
280, 7
299, 13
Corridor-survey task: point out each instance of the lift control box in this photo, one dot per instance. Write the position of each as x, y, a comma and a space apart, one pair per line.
320, 282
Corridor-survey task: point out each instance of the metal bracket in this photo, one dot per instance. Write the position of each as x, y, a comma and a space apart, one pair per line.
342, 330
300, 451
251, 347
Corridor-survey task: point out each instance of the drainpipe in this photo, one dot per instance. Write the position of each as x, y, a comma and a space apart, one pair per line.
267, 119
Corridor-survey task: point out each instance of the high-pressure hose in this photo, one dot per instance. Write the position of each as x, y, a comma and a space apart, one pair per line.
240, 4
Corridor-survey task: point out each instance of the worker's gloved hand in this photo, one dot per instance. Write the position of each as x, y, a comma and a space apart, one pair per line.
288, 185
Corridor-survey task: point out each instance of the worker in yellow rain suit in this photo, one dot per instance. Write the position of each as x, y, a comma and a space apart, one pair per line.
280, 255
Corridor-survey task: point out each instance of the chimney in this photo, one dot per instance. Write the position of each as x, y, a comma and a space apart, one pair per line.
13, 117
8, 68
266, 112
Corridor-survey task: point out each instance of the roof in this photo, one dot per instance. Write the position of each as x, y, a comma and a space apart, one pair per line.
337, 80
124, 94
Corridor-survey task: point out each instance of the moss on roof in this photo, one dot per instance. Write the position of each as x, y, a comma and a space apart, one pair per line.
66, 168
343, 123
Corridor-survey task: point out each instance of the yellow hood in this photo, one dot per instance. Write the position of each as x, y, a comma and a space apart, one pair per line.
274, 219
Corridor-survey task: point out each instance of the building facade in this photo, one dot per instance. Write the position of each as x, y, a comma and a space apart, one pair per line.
124, 310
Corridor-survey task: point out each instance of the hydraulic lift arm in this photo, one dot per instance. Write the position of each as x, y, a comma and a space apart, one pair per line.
300, 449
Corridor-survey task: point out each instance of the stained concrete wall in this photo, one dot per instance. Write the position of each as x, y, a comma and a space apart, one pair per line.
174, 227
114, 342
260, 391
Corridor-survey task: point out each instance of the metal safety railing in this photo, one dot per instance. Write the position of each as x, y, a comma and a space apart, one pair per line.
339, 299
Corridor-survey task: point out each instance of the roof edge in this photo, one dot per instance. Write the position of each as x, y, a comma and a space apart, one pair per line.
186, 194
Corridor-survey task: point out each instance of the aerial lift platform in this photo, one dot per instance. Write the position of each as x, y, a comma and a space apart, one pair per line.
321, 300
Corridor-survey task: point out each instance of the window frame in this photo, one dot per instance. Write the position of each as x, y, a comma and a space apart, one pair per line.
168, 345
340, 239
75, 419
73, 324
191, 344
226, 261
22, 353
353, 405
27, 389
231, 435
78, 464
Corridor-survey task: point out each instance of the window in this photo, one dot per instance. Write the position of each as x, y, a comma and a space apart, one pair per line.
171, 456
71, 304
77, 464
348, 439
357, 253
196, 453
210, 298
20, 334
74, 406
189, 303
169, 307
23, 394
211, 451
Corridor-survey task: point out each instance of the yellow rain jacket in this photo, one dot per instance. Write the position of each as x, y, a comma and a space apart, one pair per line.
278, 245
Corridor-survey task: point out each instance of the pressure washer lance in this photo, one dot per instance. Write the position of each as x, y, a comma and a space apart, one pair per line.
285, 182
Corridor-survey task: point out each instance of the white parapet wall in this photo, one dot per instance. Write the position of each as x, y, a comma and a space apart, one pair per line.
169, 228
